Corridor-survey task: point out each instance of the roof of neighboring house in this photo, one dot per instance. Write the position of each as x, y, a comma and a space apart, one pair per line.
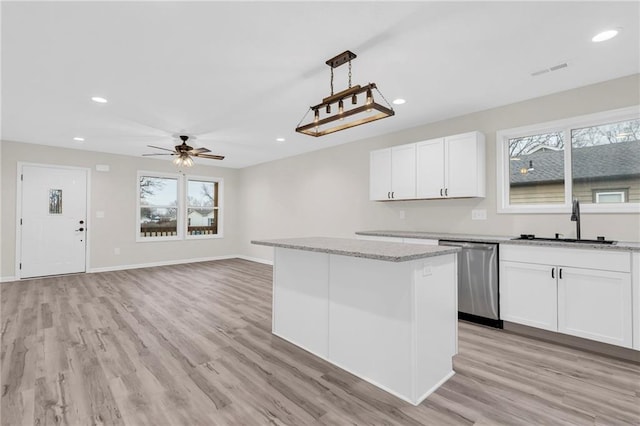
614, 160
202, 212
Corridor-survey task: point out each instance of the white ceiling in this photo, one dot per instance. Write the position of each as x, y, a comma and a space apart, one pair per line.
240, 74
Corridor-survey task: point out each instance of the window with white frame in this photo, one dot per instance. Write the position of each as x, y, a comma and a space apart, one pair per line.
175, 207
594, 159
158, 210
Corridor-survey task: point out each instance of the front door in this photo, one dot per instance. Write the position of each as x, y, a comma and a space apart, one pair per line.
53, 221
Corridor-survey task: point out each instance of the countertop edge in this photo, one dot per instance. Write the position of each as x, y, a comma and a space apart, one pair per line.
397, 259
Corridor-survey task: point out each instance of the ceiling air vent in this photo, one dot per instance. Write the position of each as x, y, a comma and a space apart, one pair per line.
546, 70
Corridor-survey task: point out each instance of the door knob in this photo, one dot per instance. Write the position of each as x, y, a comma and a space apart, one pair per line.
80, 229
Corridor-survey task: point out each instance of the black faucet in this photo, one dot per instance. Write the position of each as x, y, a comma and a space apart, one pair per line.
575, 216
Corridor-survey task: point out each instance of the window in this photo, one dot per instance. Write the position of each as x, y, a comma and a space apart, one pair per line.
158, 212
595, 159
609, 196
202, 207
175, 207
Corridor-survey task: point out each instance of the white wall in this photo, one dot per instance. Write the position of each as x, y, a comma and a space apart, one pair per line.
114, 193
326, 192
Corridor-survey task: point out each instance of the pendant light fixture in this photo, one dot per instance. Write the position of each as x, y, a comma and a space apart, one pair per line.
352, 109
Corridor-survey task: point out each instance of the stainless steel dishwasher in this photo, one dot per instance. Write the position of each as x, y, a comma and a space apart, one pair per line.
477, 282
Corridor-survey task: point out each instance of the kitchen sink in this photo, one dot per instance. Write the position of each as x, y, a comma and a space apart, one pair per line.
564, 240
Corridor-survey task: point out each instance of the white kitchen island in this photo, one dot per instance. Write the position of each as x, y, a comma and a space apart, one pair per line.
386, 312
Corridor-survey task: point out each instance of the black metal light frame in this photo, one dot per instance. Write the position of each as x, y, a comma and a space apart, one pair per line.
373, 111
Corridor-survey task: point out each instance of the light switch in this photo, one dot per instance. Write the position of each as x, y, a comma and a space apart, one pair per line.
480, 214
402, 214
99, 214
102, 167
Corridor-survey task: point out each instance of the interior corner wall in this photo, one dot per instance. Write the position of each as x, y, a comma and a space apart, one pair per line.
326, 192
114, 193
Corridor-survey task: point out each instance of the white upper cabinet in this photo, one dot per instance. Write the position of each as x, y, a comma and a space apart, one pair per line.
393, 173
430, 166
380, 174
451, 167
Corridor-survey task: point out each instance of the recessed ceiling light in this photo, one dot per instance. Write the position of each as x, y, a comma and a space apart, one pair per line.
398, 101
280, 139
78, 139
604, 36
99, 100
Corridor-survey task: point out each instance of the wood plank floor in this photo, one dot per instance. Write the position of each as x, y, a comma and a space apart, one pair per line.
191, 345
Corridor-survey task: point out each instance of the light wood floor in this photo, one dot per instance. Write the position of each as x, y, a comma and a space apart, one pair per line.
191, 345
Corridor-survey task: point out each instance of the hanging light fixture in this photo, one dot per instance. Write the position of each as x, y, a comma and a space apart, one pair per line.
344, 118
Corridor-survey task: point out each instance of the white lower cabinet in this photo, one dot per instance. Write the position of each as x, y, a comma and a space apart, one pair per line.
580, 292
595, 305
528, 295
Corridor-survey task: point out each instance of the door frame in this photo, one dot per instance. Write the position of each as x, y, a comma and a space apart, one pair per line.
18, 249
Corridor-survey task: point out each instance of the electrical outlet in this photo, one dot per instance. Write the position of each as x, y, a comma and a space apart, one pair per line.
99, 214
480, 214
402, 214
426, 270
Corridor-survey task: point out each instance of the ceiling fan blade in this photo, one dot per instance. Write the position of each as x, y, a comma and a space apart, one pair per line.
159, 147
212, 157
147, 155
200, 150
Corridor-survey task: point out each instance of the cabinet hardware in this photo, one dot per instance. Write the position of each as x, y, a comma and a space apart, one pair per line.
560, 273
392, 196
446, 192
553, 272
441, 192
389, 194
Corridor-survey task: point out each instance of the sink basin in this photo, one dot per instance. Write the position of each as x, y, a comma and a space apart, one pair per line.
565, 240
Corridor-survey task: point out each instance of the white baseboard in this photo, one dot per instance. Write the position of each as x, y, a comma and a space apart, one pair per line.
255, 259
162, 263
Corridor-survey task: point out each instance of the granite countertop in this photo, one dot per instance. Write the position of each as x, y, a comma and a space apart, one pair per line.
438, 236
618, 246
377, 250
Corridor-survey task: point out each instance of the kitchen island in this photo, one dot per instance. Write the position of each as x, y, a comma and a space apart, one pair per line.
386, 312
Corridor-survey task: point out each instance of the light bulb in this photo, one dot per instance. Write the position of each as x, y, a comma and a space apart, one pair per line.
369, 99
316, 116
328, 109
341, 109
354, 99
177, 161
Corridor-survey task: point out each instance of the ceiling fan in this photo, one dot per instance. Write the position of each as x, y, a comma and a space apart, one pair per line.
184, 153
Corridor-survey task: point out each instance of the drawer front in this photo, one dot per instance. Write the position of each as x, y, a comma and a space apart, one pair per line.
574, 257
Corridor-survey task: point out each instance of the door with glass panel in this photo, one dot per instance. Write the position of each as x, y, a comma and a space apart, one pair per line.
53, 226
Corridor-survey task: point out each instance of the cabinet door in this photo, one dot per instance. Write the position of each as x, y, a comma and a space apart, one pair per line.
528, 294
380, 174
430, 169
403, 172
462, 162
595, 305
